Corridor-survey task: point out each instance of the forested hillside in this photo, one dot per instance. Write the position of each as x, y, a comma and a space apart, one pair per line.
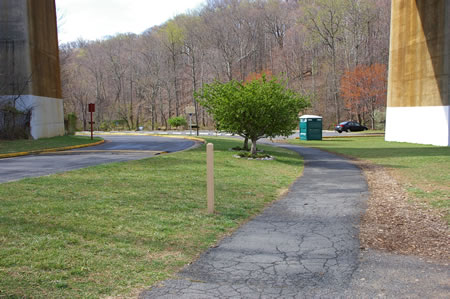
334, 51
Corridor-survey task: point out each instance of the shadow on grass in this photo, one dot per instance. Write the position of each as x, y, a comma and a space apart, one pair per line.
380, 152
334, 139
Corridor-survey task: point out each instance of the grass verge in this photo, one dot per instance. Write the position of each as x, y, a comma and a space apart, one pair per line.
425, 169
115, 229
25, 145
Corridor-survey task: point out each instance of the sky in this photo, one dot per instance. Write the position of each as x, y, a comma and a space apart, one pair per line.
96, 19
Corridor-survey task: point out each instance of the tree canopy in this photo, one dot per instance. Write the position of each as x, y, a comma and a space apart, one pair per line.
364, 90
256, 109
146, 79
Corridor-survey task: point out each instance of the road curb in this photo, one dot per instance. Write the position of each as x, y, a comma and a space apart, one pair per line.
145, 134
18, 154
181, 137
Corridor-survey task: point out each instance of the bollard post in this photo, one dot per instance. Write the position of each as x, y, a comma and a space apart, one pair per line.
210, 177
92, 127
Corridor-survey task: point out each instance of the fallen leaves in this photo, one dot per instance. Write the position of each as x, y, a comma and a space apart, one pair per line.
396, 222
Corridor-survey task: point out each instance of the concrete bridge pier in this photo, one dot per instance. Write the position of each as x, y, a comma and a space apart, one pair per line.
29, 63
419, 72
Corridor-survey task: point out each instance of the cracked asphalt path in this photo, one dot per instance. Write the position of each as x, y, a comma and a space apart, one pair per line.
305, 245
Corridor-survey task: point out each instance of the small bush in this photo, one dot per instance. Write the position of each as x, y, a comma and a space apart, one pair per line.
71, 125
177, 121
105, 126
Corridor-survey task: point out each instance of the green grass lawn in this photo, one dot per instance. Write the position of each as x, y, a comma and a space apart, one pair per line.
115, 229
25, 145
424, 168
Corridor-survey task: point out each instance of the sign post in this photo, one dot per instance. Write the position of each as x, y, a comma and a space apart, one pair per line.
92, 110
190, 110
210, 177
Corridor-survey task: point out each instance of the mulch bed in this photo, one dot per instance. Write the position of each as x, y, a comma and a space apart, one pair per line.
396, 222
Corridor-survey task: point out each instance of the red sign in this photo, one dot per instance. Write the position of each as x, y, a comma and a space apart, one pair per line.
91, 110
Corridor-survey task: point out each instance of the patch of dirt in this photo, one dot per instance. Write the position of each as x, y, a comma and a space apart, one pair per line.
396, 222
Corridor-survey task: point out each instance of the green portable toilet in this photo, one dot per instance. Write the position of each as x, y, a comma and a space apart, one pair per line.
310, 127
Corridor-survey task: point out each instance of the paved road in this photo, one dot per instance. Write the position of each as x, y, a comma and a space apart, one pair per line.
304, 245
295, 134
142, 143
116, 149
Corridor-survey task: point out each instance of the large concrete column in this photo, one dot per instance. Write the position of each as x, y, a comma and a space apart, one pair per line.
29, 63
418, 92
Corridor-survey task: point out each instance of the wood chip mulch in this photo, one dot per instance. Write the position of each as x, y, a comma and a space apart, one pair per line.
397, 223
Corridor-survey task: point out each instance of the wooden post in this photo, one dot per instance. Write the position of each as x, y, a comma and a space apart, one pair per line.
92, 127
210, 177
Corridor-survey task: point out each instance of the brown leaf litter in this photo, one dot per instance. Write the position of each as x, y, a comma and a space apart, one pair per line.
396, 222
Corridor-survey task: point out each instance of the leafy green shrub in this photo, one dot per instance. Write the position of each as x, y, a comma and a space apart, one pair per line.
105, 126
118, 124
253, 110
71, 125
177, 121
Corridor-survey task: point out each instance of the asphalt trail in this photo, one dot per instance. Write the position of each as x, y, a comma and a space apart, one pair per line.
305, 245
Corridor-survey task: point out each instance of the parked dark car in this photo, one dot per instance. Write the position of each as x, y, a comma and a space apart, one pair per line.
351, 126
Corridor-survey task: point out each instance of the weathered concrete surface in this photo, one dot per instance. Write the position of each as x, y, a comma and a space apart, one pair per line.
29, 53
305, 245
47, 119
44, 49
419, 53
29, 63
15, 60
419, 72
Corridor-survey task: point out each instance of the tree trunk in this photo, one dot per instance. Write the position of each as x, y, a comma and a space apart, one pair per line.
153, 115
335, 89
246, 143
194, 86
372, 114
203, 118
253, 150
175, 84
229, 71
137, 121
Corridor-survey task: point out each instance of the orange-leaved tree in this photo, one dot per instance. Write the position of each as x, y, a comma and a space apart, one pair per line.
364, 89
258, 76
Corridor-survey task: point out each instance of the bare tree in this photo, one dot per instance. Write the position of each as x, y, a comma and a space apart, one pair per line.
146, 79
325, 20
172, 36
